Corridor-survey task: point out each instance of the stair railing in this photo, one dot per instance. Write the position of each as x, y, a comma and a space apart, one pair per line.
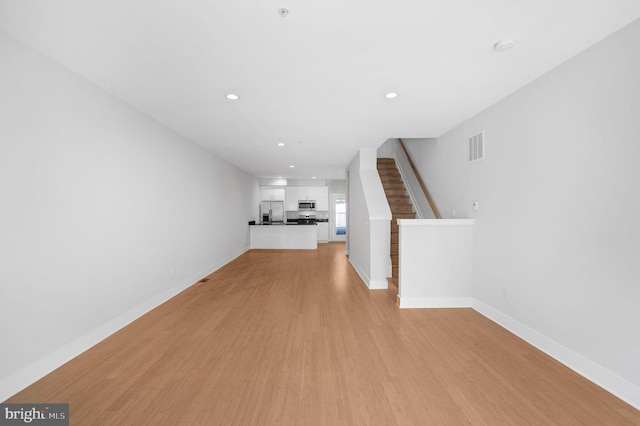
422, 185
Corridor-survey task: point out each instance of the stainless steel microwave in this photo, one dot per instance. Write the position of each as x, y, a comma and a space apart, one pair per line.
306, 205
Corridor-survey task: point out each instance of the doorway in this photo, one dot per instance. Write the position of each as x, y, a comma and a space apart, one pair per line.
338, 218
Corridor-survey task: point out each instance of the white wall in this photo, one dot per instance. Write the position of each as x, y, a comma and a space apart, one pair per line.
337, 186
99, 203
369, 221
440, 176
557, 237
358, 235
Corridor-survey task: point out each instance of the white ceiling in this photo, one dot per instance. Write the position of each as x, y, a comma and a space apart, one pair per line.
314, 80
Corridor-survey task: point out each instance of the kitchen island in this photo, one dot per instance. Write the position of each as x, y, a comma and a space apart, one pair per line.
283, 236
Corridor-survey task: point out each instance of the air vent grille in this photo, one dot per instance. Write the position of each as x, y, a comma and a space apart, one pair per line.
476, 147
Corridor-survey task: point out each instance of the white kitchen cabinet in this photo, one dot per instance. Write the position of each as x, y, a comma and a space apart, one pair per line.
282, 237
319, 194
272, 194
266, 194
278, 194
303, 193
292, 197
323, 232
322, 198
313, 193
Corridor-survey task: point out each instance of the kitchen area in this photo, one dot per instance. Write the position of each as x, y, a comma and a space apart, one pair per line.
291, 217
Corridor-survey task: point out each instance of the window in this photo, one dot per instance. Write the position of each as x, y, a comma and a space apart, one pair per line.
341, 216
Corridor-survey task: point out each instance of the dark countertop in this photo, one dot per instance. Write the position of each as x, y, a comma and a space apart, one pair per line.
281, 224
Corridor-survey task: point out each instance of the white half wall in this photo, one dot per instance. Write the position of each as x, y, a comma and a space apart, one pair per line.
105, 214
436, 263
557, 237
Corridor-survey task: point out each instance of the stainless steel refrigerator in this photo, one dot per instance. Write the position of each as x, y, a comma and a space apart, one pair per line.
272, 212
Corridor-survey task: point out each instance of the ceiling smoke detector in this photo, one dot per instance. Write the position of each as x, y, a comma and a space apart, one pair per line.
283, 12
503, 45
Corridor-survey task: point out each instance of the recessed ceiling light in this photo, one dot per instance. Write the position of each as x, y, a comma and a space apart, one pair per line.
503, 45
313, 177
279, 177
283, 12
291, 166
232, 97
391, 95
280, 143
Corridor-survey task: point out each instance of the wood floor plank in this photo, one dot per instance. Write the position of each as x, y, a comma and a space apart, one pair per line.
295, 338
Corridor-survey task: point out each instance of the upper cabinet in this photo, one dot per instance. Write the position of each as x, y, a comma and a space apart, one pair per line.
320, 194
292, 195
322, 198
278, 194
272, 194
303, 193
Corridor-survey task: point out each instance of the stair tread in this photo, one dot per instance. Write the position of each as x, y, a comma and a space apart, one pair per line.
399, 203
401, 208
396, 216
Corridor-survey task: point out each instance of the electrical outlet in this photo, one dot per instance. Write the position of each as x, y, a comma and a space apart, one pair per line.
476, 205
171, 271
505, 294
453, 212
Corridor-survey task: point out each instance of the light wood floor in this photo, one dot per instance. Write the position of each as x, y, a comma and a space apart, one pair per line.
295, 338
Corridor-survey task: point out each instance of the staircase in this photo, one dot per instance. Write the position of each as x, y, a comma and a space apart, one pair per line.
399, 202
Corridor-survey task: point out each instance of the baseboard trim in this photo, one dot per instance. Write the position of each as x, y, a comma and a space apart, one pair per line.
434, 302
28, 375
609, 381
363, 275
618, 386
371, 284
378, 284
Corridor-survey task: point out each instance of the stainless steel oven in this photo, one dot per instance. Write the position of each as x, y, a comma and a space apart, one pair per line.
307, 222
307, 218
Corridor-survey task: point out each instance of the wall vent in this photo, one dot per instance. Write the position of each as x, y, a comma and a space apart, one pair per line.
476, 147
